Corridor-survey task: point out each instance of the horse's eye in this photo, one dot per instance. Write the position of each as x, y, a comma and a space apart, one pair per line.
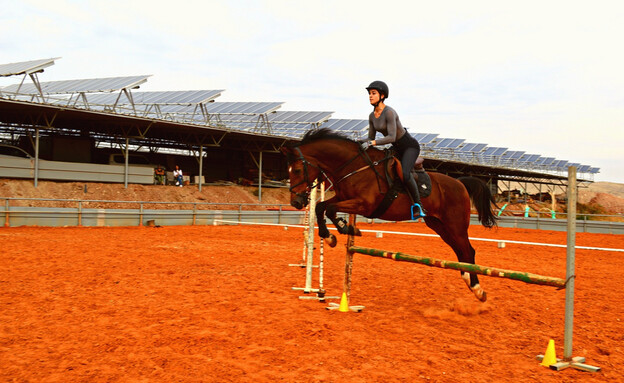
297, 171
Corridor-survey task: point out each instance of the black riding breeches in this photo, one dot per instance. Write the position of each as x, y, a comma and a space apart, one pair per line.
407, 149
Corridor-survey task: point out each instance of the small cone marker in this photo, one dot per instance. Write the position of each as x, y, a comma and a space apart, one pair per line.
549, 356
344, 304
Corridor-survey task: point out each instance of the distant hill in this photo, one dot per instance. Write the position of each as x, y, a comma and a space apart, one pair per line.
607, 187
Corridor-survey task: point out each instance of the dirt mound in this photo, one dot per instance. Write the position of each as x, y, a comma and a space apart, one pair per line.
234, 194
608, 188
611, 203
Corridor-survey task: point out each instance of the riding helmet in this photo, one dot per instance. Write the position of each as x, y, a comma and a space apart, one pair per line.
380, 86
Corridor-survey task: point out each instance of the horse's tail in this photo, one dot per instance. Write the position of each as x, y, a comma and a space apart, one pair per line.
482, 199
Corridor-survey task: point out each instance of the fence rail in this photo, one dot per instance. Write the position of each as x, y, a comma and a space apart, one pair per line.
205, 213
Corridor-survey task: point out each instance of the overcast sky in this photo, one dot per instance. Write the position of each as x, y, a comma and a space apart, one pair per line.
545, 77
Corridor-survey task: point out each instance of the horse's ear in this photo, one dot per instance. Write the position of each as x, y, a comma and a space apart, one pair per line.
285, 150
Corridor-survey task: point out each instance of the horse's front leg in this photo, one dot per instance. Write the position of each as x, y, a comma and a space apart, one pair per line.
323, 230
352, 206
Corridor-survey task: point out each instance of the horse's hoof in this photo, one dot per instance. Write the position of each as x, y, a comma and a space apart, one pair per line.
331, 240
354, 231
483, 296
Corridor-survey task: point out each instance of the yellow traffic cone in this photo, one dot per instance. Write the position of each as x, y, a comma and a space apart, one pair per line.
344, 304
549, 356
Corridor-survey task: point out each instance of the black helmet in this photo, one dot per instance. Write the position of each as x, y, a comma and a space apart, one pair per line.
380, 86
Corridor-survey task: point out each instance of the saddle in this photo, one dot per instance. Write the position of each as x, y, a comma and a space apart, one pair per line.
394, 175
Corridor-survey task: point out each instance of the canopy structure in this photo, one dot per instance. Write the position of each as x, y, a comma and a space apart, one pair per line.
26, 68
76, 89
111, 108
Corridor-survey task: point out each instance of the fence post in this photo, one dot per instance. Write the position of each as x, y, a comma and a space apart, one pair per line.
194, 213
140, 214
79, 213
6, 213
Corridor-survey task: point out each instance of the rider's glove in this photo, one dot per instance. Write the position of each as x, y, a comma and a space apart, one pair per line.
366, 145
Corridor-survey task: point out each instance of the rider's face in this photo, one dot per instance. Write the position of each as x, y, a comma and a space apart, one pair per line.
373, 96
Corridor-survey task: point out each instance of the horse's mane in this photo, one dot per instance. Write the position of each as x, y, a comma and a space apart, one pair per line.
321, 134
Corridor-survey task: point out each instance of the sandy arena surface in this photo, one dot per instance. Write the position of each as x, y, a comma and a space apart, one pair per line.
215, 304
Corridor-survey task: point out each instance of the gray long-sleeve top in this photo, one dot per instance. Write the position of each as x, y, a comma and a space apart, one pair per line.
387, 124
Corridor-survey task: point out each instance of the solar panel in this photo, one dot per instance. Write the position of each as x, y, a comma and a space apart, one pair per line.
594, 170
544, 161
109, 84
533, 159
559, 164
494, 151
25, 67
242, 107
425, 138
299, 117
512, 155
183, 97
584, 168
477, 148
442, 143
345, 125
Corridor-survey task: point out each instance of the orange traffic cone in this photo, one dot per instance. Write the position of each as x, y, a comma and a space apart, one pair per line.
344, 304
549, 356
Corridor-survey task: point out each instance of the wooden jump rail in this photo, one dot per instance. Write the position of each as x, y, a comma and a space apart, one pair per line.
462, 266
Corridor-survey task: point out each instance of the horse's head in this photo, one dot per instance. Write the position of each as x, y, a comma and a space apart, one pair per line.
302, 173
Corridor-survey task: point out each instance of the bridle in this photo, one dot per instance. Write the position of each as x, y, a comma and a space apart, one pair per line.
324, 176
306, 179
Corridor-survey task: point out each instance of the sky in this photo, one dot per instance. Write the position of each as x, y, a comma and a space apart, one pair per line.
545, 77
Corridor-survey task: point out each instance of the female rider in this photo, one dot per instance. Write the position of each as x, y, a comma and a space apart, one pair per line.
385, 120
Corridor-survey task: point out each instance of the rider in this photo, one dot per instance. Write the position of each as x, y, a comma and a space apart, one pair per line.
385, 120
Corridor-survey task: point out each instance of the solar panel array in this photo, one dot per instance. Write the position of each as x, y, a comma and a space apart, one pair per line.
25, 67
109, 84
198, 107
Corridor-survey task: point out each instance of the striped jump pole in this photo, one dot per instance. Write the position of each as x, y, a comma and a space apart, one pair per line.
462, 266
308, 251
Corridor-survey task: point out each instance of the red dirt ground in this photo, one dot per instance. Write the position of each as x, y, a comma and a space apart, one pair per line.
215, 304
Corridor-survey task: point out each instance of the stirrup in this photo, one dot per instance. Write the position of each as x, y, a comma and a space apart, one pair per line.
421, 213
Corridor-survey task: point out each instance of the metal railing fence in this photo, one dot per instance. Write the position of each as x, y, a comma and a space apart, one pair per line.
14, 212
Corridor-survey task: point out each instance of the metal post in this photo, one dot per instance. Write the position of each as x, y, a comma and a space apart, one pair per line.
141, 214
79, 213
577, 362
6, 213
126, 164
260, 178
201, 165
570, 259
194, 213
36, 157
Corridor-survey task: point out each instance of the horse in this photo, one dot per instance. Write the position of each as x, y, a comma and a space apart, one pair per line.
360, 181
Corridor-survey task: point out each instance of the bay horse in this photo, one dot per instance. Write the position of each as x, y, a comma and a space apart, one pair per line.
360, 183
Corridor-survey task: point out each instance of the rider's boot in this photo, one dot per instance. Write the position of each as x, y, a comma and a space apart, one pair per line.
412, 189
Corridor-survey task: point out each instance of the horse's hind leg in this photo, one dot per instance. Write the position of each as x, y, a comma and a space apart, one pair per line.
459, 242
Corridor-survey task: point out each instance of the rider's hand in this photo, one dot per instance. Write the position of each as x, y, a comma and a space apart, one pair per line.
366, 144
